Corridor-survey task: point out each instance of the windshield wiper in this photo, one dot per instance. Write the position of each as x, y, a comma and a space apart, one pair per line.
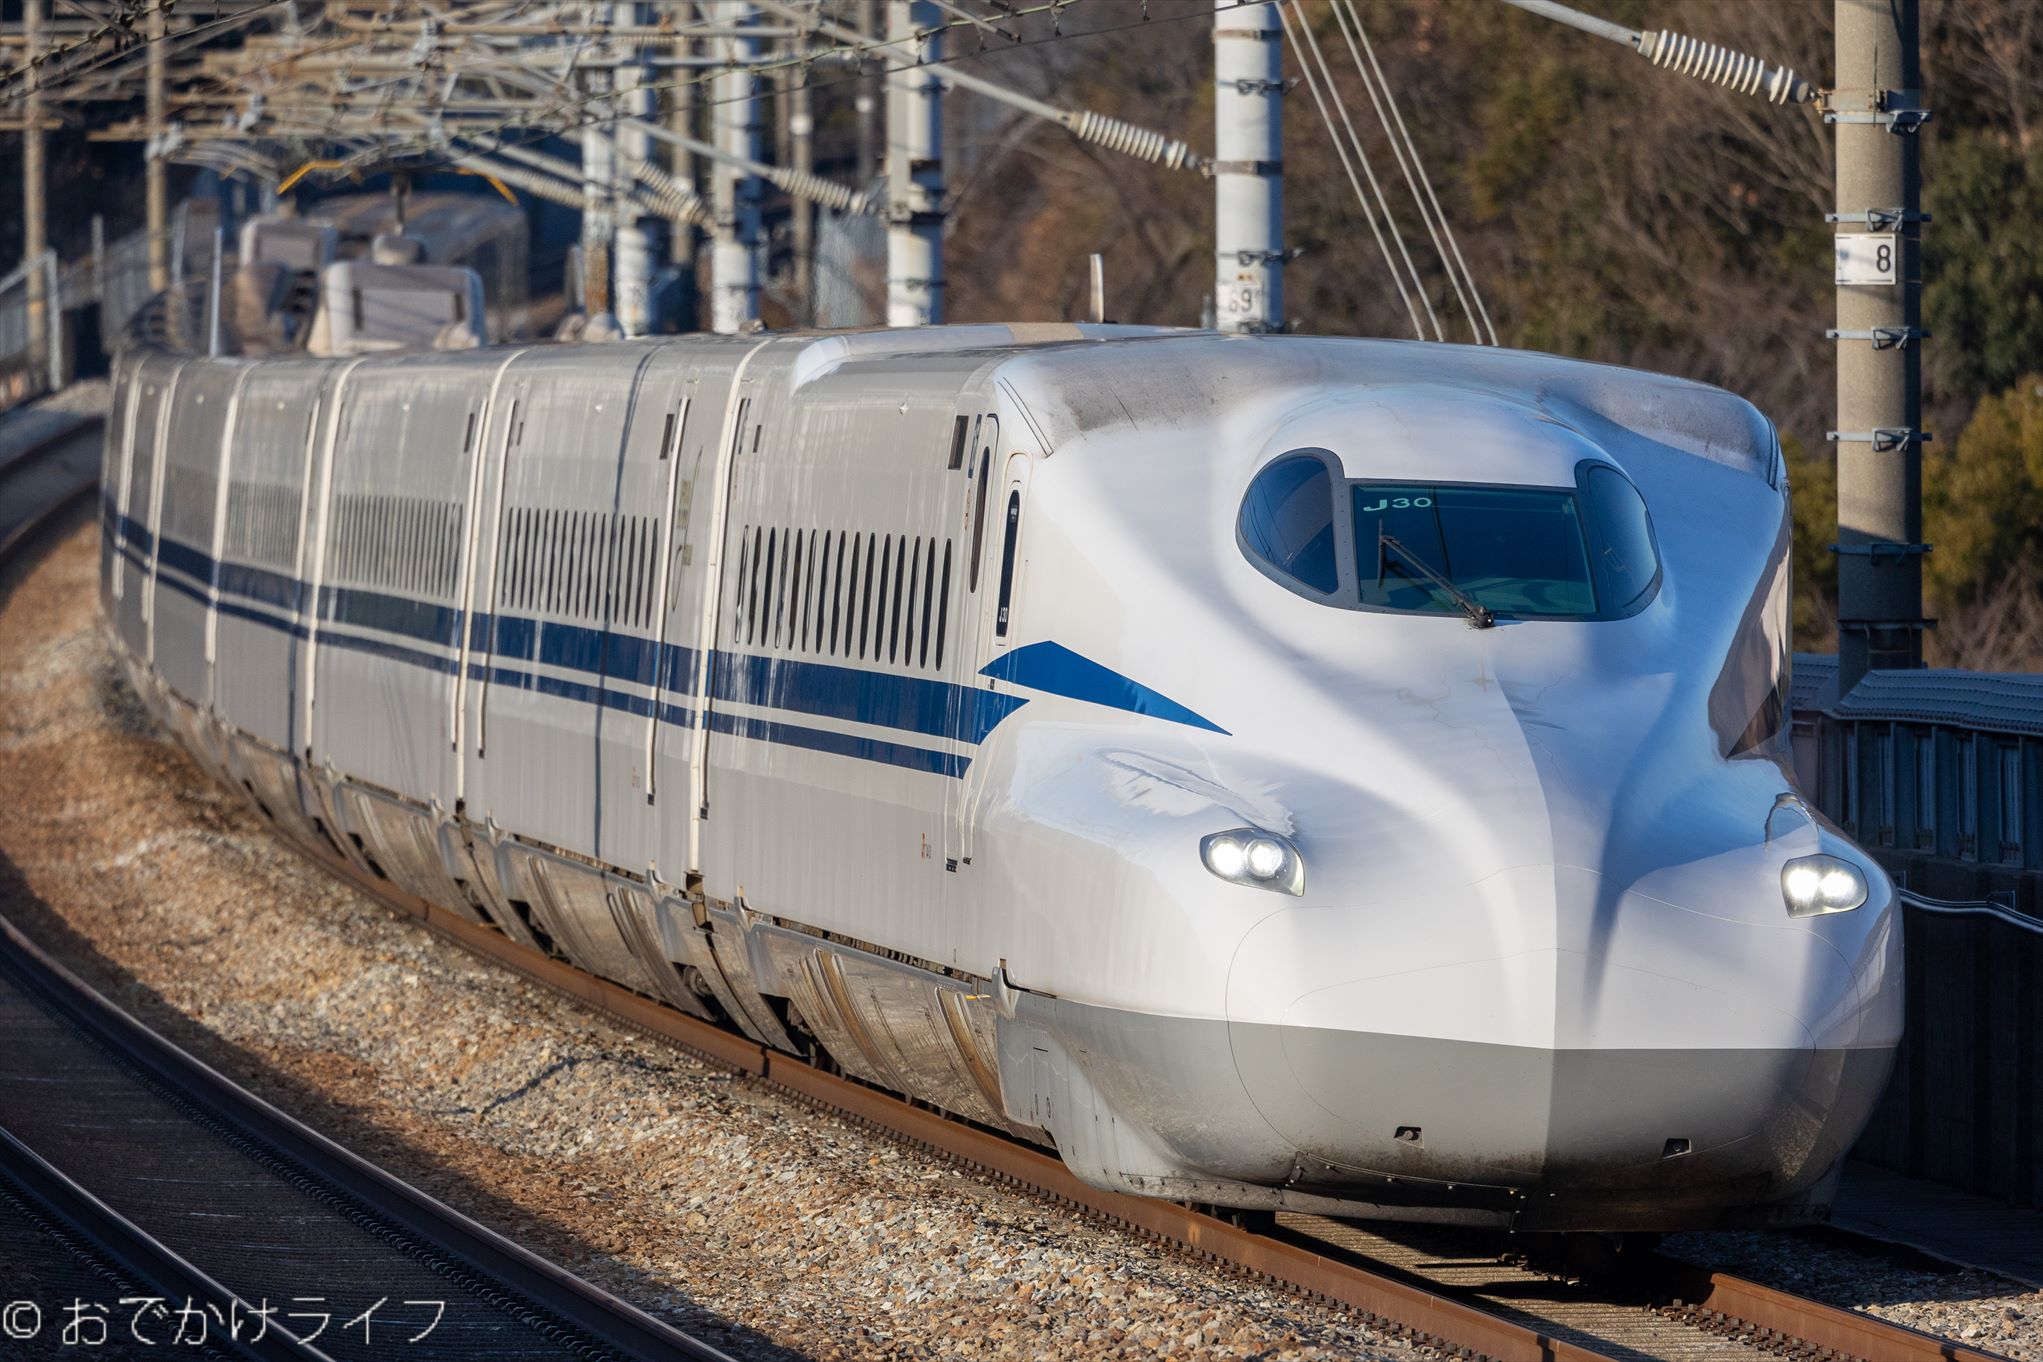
1479, 616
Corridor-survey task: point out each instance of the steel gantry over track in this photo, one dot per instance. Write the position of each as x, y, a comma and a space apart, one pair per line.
673, 105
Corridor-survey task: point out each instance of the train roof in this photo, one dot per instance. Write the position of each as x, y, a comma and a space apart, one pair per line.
1081, 379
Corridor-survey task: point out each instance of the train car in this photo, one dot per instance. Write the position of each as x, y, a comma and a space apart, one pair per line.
477, 231
1277, 772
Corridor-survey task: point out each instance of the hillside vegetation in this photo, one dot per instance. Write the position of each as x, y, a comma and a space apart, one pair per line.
1607, 210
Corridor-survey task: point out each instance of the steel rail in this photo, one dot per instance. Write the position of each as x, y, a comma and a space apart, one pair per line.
1402, 1306
591, 1312
1718, 1298
134, 1251
21, 518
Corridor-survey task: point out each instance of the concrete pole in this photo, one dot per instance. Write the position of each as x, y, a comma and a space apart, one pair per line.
156, 170
866, 107
35, 206
734, 253
915, 172
634, 273
681, 105
213, 293
1248, 167
599, 171
1875, 108
682, 238
801, 127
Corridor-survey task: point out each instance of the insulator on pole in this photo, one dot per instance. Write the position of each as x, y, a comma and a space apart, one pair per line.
664, 191
1688, 56
1130, 140
1721, 66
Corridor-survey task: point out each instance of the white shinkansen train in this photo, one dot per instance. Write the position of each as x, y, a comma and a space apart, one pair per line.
1279, 772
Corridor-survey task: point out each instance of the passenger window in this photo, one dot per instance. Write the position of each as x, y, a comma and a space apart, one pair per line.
818, 591
1625, 559
766, 594
928, 592
943, 603
901, 576
865, 610
979, 517
958, 434
1287, 522
1010, 535
748, 588
837, 592
790, 560
799, 592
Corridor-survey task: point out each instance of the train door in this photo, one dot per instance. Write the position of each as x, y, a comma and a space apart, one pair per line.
979, 502
503, 424
262, 561
327, 427
140, 502
654, 488
533, 768
742, 429
115, 462
390, 597
718, 419
1003, 562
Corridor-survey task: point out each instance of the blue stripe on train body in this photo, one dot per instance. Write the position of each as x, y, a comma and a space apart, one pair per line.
927, 707
1055, 670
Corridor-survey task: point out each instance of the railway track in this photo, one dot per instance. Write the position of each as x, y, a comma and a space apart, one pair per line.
56, 463
131, 1171
200, 1192
1471, 1301
1460, 1297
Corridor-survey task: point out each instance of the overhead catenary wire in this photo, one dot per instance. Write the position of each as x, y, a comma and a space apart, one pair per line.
1312, 84
1113, 133
180, 38
570, 112
1451, 259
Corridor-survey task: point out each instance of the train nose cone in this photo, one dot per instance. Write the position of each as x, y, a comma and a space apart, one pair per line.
1590, 1053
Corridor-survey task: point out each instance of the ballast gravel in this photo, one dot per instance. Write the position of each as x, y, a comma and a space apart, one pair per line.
762, 1225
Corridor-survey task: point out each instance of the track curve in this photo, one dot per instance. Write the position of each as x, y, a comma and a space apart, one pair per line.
1400, 1300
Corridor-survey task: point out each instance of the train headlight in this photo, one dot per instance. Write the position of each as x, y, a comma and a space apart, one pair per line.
1250, 856
1821, 884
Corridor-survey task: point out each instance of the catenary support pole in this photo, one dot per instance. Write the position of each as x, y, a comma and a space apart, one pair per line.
156, 168
734, 256
35, 205
633, 274
801, 128
915, 172
1876, 110
213, 284
681, 161
1248, 167
867, 106
598, 173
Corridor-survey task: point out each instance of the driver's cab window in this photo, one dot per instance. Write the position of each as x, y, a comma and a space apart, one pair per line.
1287, 523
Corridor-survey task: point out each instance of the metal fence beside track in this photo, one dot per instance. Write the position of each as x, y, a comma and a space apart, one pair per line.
1940, 775
1965, 1107
95, 297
